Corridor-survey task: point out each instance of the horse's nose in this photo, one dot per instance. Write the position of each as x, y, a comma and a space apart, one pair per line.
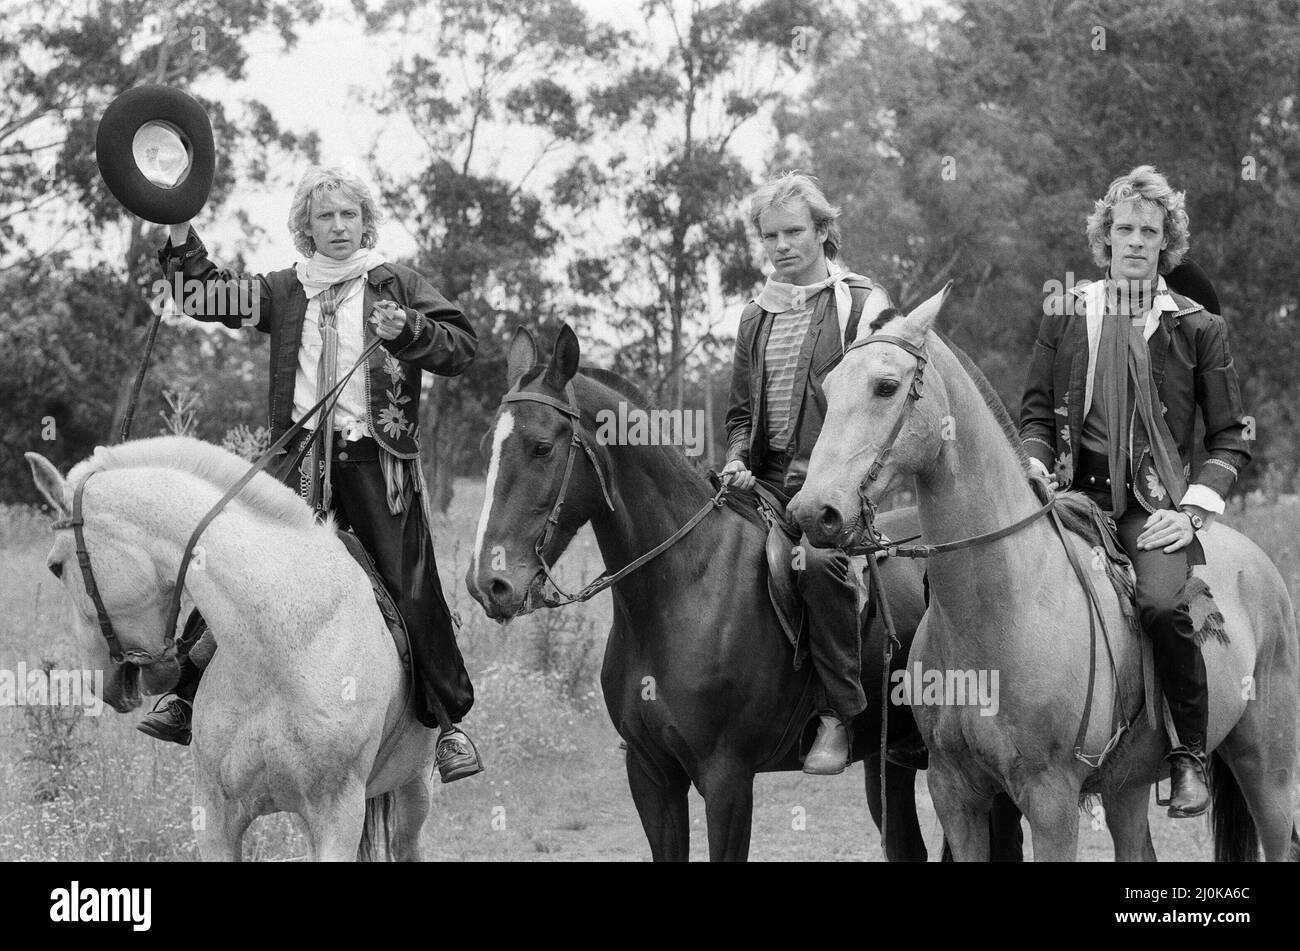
829, 522
501, 591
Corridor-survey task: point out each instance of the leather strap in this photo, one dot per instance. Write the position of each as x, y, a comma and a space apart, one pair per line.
76, 523
604, 580
174, 610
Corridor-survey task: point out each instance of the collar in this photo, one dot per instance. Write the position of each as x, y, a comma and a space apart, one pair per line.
1093, 294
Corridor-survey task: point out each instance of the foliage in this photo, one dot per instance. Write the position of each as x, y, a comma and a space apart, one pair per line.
970, 143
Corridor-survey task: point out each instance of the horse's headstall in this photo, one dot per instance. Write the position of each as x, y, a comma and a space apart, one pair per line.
922, 358
569, 407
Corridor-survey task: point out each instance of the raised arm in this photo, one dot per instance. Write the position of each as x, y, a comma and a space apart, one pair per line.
204, 290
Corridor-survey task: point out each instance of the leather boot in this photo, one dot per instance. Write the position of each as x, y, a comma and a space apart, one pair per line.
829, 755
908, 752
1185, 689
170, 722
456, 756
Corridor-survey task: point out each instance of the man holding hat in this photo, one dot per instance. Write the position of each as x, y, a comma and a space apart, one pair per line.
362, 465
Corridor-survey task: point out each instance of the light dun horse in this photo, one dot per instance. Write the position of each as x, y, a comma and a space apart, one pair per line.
1014, 605
292, 710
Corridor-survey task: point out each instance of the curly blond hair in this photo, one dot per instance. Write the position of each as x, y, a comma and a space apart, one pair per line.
1149, 189
317, 180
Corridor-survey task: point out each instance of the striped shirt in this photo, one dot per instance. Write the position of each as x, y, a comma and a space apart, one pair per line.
779, 359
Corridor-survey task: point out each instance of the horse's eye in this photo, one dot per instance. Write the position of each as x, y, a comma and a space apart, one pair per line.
886, 388
542, 449
56, 568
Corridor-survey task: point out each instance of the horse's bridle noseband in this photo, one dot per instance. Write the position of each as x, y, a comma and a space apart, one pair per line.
913, 394
569, 407
76, 522
142, 657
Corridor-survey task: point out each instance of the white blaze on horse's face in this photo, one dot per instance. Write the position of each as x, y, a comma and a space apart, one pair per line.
505, 426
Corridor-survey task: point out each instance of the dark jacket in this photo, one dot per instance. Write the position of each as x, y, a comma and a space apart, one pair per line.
437, 336
1191, 366
746, 427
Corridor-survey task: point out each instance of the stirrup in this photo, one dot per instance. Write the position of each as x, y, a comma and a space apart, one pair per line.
463, 761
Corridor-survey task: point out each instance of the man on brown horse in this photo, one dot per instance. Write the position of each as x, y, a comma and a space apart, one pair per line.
1119, 369
363, 465
789, 338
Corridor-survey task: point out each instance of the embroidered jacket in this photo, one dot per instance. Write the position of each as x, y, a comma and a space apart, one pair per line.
437, 336
1191, 366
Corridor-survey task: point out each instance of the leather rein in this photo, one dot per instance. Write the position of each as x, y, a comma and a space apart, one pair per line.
569, 408
76, 522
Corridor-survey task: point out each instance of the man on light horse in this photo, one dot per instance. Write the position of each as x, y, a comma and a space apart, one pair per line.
1110, 408
789, 338
363, 465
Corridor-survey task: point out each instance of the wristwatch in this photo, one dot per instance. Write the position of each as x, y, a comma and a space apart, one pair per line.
1197, 522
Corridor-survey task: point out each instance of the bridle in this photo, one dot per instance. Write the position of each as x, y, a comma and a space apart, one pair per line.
569, 407
868, 507
878, 543
76, 522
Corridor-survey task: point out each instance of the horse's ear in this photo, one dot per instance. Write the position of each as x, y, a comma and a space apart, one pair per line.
49, 482
564, 358
522, 356
918, 323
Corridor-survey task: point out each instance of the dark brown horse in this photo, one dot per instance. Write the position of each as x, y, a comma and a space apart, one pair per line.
698, 675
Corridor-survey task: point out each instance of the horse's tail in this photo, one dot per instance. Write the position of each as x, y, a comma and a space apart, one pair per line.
378, 828
1235, 837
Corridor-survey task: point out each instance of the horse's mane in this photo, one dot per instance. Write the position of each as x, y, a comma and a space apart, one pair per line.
212, 464
621, 385
1075, 508
673, 455
991, 399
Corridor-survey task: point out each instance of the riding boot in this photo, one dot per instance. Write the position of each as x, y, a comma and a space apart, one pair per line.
829, 755
170, 721
1182, 673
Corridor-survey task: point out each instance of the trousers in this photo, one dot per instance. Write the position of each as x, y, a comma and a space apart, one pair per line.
830, 594
1163, 610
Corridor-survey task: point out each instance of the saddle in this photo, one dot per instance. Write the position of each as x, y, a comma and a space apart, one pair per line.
783, 534
1084, 518
387, 606
782, 591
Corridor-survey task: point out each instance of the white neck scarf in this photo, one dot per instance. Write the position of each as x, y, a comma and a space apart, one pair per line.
778, 297
321, 272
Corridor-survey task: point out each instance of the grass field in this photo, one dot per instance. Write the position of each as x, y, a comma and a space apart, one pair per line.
92, 788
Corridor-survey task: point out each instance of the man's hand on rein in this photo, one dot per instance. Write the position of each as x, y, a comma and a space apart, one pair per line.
388, 319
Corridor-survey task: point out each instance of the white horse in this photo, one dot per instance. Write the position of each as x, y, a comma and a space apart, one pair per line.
307, 688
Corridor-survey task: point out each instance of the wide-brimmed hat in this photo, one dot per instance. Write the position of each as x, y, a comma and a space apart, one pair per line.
1190, 280
155, 152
